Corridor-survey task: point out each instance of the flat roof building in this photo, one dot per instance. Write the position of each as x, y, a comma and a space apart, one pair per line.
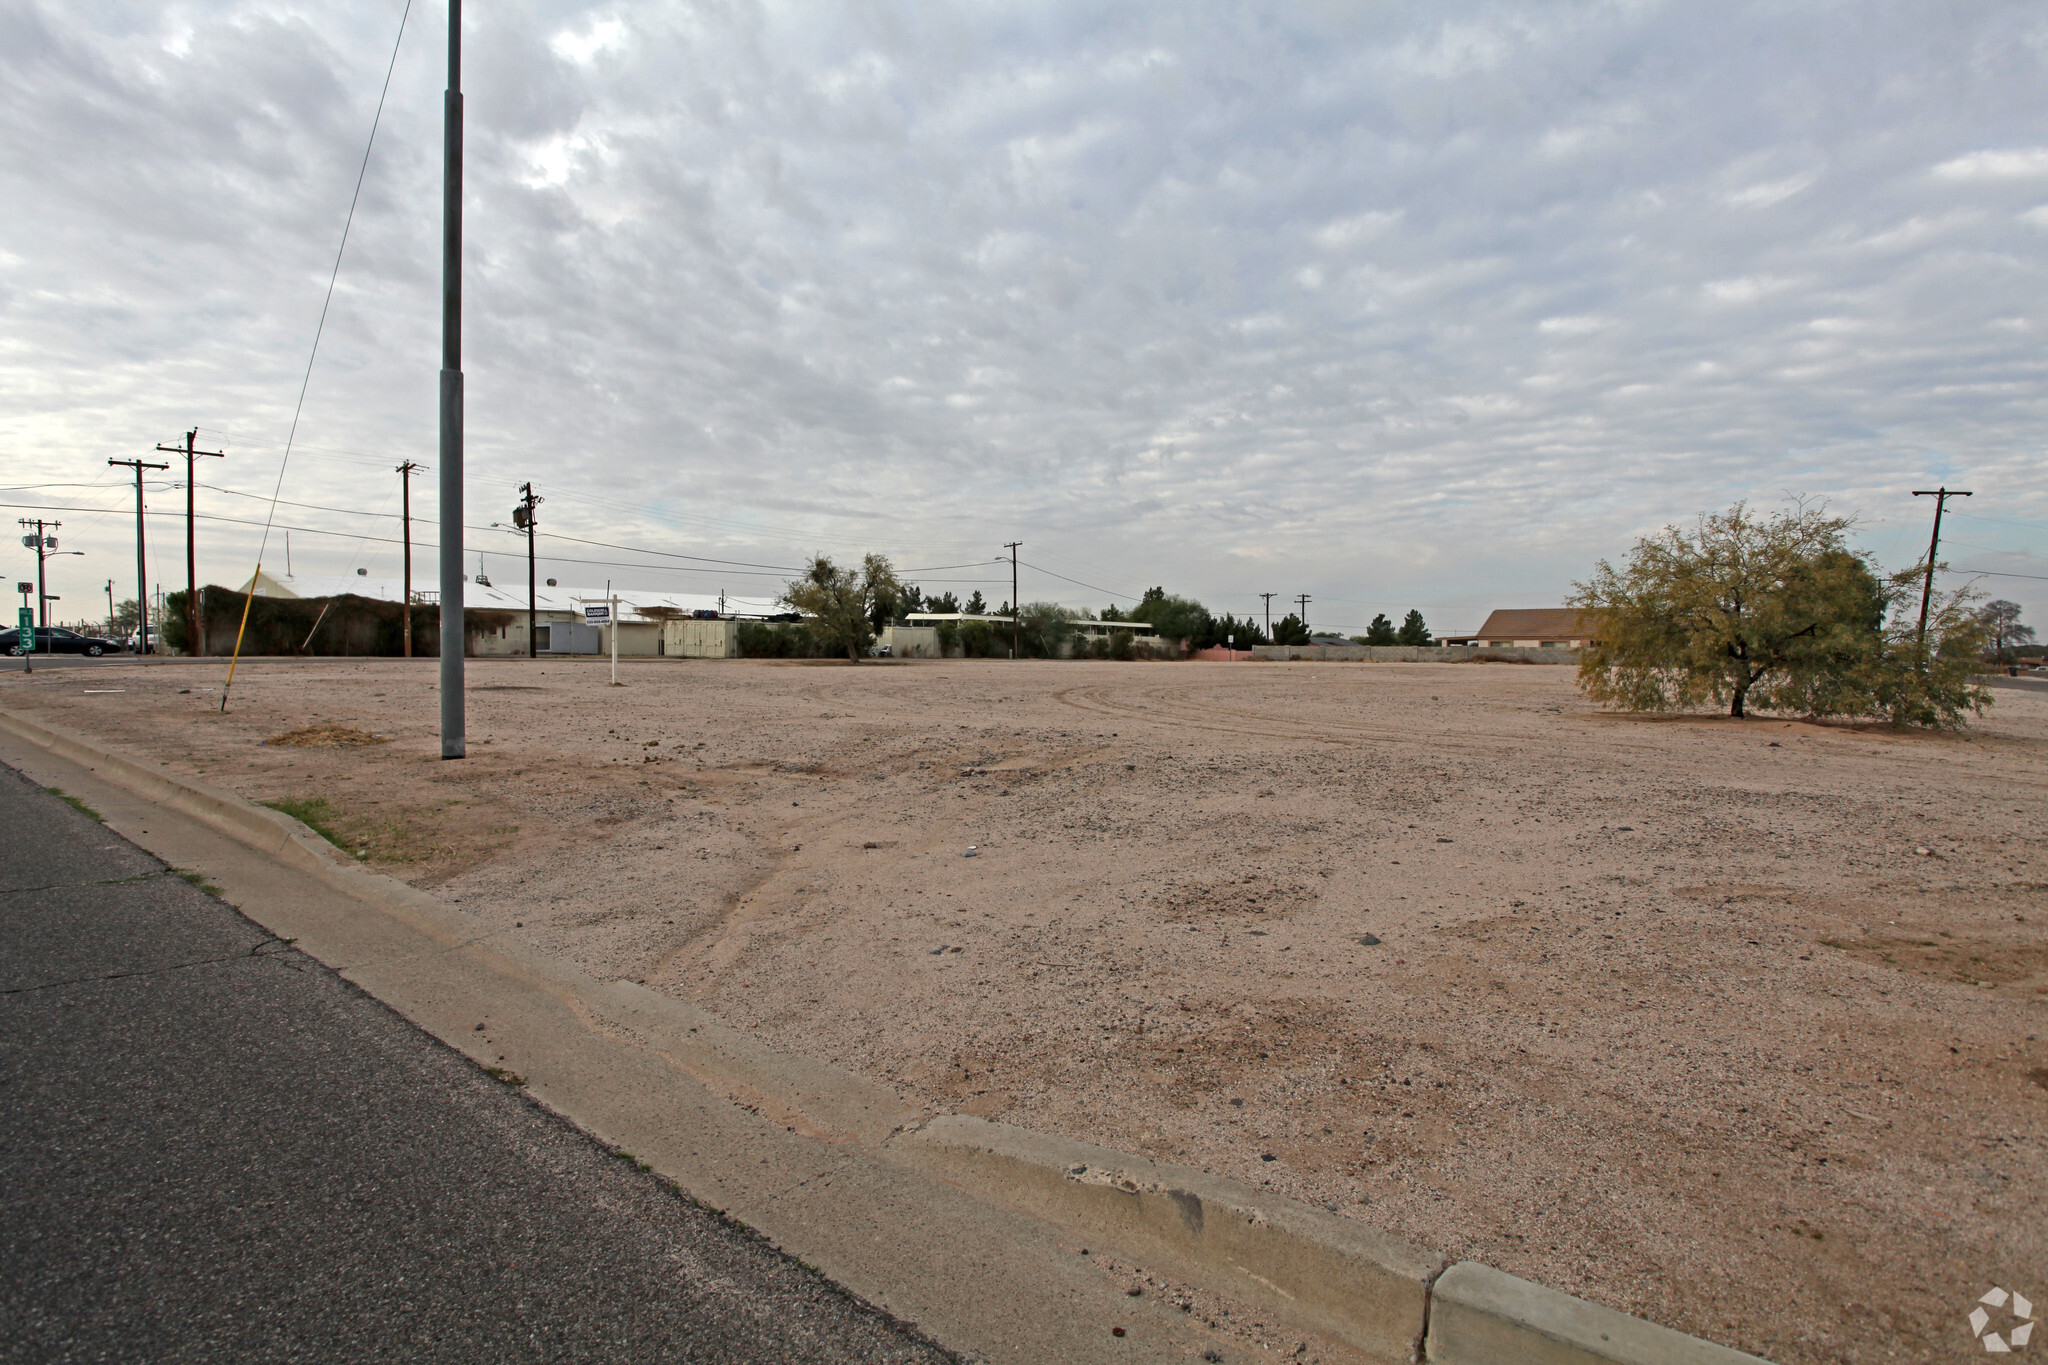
1086, 626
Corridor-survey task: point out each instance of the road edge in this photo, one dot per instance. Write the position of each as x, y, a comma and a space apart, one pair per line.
1342, 1279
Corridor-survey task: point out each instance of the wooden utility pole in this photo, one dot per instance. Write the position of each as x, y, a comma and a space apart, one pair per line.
1304, 599
195, 623
405, 472
1012, 547
522, 517
1269, 596
141, 563
1941, 497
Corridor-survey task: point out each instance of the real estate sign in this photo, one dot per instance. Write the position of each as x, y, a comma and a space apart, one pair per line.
598, 614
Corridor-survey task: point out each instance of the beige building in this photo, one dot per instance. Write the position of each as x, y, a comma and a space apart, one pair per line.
1529, 628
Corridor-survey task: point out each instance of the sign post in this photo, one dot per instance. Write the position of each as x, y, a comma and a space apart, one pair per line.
606, 614
25, 629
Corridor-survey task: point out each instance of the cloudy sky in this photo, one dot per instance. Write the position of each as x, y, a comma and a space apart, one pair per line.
1395, 305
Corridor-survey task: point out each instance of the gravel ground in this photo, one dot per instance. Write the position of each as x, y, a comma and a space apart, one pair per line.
1734, 1025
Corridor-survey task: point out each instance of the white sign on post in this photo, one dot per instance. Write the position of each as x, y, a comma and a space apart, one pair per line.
598, 614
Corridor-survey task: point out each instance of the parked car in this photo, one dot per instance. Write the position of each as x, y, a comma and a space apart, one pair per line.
57, 640
134, 641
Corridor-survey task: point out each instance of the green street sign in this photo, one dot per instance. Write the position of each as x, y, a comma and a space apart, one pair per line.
26, 625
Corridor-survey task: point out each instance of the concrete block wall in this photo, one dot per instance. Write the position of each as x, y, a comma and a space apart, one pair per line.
1416, 654
911, 642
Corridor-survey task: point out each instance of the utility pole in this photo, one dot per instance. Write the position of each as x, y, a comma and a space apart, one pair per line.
1304, 599
1269, 596
42, 543
1941, 497
110, 606
1012, 546
522, 517
194, 624
141, 565
405, 472
454, 737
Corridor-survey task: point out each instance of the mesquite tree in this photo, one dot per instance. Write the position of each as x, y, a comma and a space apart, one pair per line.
1772, 613
840, 604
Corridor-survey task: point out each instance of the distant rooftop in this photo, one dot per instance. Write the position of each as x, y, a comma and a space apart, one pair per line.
1532, 623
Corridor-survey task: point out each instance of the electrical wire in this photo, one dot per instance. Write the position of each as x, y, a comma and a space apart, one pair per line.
1077, 582
425, 546
319, 328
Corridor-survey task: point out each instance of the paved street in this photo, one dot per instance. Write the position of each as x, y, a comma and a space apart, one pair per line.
212, 1148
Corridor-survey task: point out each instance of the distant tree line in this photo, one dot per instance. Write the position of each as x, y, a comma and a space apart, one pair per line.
845, 609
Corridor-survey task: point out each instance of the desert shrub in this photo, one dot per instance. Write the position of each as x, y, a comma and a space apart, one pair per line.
779, 640
978, 641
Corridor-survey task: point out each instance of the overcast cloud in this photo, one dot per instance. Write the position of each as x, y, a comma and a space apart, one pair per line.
1420, 305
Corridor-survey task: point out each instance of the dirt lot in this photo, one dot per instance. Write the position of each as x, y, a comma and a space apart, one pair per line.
1735, 1025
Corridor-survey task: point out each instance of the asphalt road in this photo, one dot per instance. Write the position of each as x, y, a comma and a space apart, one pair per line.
213, 1148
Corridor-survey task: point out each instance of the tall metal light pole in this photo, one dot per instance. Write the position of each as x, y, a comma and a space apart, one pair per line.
1941, 497
454, 736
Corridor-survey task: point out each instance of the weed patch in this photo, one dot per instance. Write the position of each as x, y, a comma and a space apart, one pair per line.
313, 812
198, 879
68, 799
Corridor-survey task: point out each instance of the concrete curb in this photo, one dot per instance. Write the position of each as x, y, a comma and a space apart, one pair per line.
1482, 1316
1338, 1278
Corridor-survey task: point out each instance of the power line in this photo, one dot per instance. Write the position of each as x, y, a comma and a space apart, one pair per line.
393, 540
1996, 573
313, 354
1079, 584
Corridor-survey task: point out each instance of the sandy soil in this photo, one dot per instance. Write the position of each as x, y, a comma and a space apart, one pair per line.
1734, 1025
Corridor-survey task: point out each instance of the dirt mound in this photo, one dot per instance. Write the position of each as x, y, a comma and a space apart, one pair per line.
323, 737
